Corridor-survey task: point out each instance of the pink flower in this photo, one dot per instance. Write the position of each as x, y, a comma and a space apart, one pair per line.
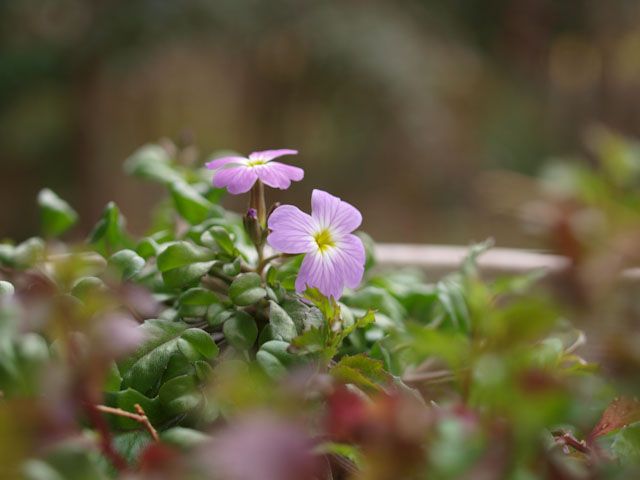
334, 256
238, 174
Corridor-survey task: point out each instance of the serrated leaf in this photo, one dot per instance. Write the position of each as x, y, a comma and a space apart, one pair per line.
240, 330
56, 215
192, 206
311, 341
127, 262
282, 326
362, 371
246, 289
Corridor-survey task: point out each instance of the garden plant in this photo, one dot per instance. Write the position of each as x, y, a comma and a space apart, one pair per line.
271, 344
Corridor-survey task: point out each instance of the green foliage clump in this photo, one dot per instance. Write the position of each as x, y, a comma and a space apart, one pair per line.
187, 351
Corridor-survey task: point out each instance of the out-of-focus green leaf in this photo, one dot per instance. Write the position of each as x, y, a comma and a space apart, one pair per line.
108, 235
6, 289
152, 162
184, 438
626, 445
56, 215
193, 207
69, 461
127, 262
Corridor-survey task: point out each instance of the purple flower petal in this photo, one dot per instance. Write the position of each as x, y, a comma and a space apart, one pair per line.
320, 270
268, 155
350, 251
291, 230
278, 175
222, 161
236, 179
330, 211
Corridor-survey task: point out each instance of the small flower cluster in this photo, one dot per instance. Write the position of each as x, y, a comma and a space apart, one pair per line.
334, 257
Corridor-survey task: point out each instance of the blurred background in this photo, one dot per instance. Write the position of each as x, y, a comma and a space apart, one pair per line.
398, 106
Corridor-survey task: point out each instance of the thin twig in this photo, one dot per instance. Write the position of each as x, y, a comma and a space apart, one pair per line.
566, 438
139, 417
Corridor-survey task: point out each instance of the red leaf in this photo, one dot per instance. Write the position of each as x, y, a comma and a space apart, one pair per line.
620, 413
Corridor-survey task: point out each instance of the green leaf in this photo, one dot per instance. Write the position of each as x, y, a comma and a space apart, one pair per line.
131, 444
217, 314
626, 445
282, 326
362, 371
85, 287
274, 358
240, 330
166, 342
147, 248
246, 289
303, 315
56, 214
108, 234
195, 302
152, 162
201, 341
184, 438
183, 263
193, 207
311, 341
180, 394
127, 262
6, 289
452, 300
376, 298
348, 451
28, 253
68, 461
221, 237
126, 400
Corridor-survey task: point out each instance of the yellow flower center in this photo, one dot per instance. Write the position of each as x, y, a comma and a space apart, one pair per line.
324, 240
255, 163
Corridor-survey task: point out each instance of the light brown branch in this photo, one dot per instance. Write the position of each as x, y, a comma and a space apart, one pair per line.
139, 417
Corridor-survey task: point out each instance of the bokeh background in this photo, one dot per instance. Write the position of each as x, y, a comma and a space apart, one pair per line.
399, 106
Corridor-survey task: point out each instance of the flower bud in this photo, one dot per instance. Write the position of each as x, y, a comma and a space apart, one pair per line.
252, 226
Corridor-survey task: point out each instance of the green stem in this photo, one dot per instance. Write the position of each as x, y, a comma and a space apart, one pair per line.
258, 202
264, 262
